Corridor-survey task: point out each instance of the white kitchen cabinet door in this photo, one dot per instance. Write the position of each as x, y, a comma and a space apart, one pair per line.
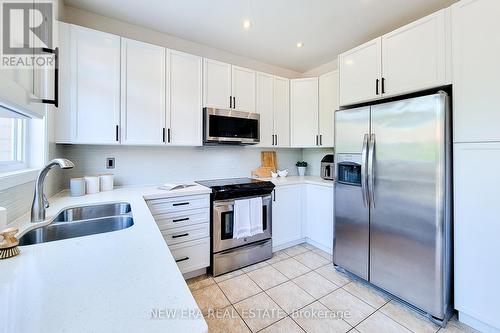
265, 104
319, 216
243, 89
476, 68
95, 84
63, 117
184, 100
414, 56
304, 112
282, 112
287, 215
143, 93
360, 71
216, 84
476, 230
328, 103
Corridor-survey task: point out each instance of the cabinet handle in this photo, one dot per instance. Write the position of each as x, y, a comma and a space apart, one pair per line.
117, 129
276, 139
163, 135
317, 140
383, 85
376, 86
230, 102
54, 101
183, 235
180, 220
180, 204
274, 191
182, 259
272, 136
234, 102
168, 135
321, 139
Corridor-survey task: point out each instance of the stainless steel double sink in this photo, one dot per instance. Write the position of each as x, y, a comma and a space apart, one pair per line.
82, 221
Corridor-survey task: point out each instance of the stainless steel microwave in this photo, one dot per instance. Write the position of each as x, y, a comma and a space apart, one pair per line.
230, 127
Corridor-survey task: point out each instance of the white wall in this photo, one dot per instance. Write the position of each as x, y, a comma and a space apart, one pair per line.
157, 165
98, 22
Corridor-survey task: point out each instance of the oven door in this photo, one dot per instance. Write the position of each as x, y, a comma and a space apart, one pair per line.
228, 126
223, 223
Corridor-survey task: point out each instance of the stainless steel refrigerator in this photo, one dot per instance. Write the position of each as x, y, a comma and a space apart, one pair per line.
393, 199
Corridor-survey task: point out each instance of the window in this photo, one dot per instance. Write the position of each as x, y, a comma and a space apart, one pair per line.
12, 144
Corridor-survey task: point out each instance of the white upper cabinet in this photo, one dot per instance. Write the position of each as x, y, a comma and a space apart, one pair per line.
143, 93
95, 84
216, 84
243, 89
328, 104
414, 56
281, 112
476, 70
304, 112
272, 103
360, 73
184, 99
265, 107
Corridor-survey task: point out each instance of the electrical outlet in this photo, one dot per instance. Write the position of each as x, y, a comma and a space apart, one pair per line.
110, 163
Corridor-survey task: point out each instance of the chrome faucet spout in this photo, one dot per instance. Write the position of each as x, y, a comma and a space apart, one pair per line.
40, 203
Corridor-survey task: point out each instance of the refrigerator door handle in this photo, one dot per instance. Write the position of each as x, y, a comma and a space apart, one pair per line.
364, 191
371, 174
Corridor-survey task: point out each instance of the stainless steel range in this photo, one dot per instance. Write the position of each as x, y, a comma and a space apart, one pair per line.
229, 253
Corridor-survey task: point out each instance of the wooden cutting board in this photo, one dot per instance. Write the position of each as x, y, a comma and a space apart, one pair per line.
262, 172
268, 160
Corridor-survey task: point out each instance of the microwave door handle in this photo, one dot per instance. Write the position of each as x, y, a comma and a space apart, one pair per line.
371, 170
364, 191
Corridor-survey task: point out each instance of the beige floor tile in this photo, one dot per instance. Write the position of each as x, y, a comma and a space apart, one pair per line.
278, 256
291, 268
316, 318
290, 297
354, 309
367, 294
316, 285
408, 318
210, 297
324, 254
295, 250
259, 311
309, 246
239, 288
267, 277
311, 260
199, 282
225, 320
254, 266
454, 326
285, 325
378, 322
329, 272
227, 276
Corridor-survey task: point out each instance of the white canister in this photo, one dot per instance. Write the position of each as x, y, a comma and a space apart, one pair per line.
77, 187
91, 184
106, 181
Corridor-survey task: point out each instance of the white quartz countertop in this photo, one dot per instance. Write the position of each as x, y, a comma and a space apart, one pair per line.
110, 282
290, 180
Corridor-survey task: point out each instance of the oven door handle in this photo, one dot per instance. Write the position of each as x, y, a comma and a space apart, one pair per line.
231, 201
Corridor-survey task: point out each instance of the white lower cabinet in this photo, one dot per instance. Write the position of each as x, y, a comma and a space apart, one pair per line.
287, 215
476, 231
319, 216
185, 225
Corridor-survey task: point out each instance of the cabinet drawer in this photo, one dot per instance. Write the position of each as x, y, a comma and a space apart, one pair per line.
184, 234
177, 204
192, 255
182, 219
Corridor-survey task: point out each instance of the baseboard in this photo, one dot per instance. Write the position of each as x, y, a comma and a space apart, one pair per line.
288, 244
319, 246
195, 273
476, 323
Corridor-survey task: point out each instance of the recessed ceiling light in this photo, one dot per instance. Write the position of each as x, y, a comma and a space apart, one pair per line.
247, 24
300, 44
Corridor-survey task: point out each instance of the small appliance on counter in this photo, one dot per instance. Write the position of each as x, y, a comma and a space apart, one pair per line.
327, 169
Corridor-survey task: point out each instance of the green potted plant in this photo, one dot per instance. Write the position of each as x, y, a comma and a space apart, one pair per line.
301, 167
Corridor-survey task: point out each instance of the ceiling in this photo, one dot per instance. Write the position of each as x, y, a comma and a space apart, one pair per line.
326, 27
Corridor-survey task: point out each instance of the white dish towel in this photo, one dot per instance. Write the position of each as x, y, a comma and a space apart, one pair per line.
247, 218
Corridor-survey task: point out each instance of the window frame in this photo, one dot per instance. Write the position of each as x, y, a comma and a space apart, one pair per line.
20, 148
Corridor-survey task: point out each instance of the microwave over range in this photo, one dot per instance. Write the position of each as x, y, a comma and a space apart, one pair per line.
230, 127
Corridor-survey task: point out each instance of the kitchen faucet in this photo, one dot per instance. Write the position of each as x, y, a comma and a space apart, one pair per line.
40, 202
